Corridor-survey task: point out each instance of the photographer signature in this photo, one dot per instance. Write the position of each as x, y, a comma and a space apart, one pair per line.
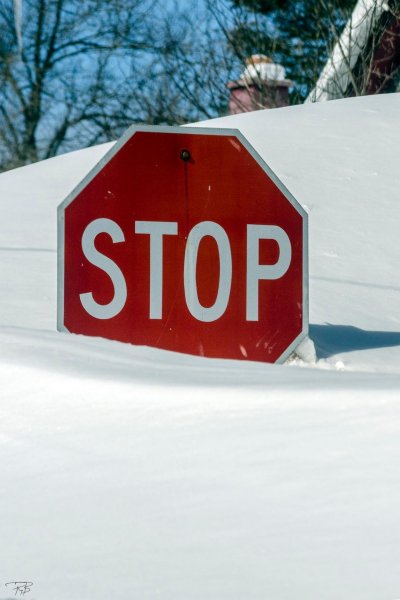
20, 587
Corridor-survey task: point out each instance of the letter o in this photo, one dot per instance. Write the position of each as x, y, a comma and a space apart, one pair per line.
199, 231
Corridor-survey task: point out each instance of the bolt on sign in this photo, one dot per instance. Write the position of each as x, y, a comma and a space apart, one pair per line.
184, 239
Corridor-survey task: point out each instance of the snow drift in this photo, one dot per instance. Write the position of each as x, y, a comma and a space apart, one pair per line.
130, 472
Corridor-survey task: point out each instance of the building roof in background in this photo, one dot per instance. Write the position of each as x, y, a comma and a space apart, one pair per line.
366, 57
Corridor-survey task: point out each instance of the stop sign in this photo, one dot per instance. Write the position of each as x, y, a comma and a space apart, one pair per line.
184, 239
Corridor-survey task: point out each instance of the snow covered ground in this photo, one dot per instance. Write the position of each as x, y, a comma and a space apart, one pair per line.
128, 472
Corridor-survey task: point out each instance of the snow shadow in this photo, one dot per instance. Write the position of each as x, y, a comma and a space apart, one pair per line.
335, 339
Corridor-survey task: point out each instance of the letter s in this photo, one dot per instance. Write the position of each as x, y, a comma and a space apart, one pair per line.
96, 310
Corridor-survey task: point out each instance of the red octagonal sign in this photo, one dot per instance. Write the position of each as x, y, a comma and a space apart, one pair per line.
184, 239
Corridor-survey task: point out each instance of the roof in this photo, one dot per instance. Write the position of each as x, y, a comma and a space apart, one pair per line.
366, 57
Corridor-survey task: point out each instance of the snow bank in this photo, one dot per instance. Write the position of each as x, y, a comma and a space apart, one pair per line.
128, 472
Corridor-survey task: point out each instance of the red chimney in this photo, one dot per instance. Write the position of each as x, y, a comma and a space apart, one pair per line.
262, 84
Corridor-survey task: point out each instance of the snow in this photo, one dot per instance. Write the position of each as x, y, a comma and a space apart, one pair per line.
129, 472
264, 71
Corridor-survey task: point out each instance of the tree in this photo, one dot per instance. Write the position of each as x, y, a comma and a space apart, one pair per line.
206, 49
297, 33
196, 60
58, 82
74, 74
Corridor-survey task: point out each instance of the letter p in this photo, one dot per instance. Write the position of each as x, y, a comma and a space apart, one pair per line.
255, 271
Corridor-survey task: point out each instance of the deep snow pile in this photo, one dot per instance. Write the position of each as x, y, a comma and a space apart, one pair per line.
128, 472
